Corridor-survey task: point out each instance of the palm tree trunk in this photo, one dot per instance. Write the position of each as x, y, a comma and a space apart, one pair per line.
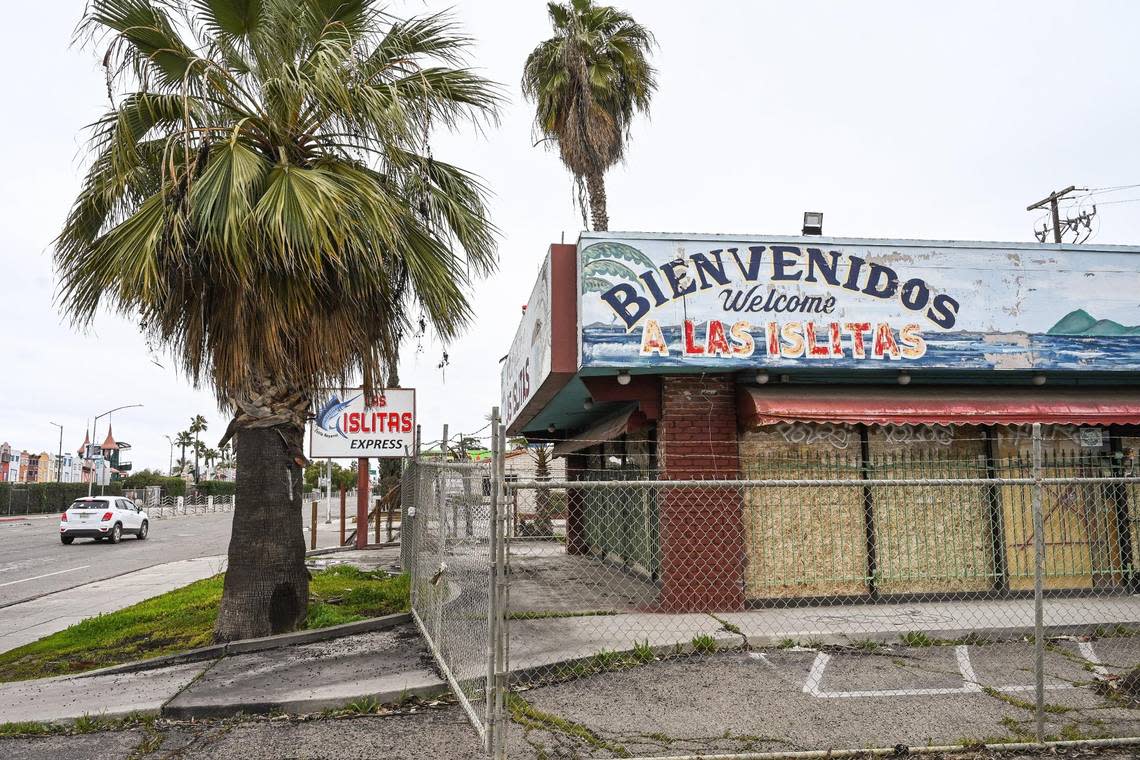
267, 585
596, 187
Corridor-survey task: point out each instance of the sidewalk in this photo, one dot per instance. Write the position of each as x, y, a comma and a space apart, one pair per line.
386, 666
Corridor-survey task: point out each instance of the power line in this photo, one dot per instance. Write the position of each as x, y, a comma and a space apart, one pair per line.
1051, 201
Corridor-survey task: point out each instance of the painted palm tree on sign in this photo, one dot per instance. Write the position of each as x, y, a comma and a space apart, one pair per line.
263, 199
587, 82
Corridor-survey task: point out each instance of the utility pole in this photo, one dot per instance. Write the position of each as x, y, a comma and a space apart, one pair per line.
59, 457
1052, 201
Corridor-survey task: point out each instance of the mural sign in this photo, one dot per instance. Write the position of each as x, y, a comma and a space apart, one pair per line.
730, 303
528, 363
346, 424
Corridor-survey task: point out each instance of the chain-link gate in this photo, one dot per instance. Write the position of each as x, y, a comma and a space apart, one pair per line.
450, 563
955, 581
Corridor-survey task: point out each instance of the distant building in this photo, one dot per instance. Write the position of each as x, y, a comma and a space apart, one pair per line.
114, 455
6, 462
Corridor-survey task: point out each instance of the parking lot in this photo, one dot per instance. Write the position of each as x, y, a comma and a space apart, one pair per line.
804, 698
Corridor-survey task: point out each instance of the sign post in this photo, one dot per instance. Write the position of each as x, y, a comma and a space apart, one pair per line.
362, 493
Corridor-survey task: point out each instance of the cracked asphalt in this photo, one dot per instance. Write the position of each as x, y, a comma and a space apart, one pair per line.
736, 701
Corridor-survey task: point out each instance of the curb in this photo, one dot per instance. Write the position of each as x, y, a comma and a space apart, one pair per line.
349, 548
428, 686
218, 651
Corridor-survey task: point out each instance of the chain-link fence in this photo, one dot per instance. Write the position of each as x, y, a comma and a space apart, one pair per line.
902, 591
450, 564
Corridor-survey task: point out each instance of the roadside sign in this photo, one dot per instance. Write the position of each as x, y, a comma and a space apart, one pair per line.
347, 425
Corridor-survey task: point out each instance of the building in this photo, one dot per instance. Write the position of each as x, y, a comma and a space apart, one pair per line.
805, 357
9, 462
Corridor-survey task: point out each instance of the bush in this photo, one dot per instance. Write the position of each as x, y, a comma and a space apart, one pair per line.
217, 488
145, 478
40, 498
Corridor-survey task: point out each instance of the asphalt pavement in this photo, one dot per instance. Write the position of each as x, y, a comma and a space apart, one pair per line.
34, 562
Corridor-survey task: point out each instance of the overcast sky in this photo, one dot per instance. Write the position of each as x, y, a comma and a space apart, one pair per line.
901, 119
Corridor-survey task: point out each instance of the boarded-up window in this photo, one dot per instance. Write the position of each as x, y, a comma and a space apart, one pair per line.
803, 541
930, 538
1081, 532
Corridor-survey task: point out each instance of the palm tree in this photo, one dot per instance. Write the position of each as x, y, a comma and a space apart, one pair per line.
225, 457
263, 198
211, 456
197, 425
182, 464
587, 81
182, 441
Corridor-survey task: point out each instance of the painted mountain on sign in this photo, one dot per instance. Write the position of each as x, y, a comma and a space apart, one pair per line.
1080, 322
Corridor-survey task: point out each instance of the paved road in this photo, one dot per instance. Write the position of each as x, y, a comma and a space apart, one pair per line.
34, 562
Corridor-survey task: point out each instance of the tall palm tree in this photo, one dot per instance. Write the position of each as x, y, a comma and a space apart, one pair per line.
211, 456
587, 82
263, 198
197, 425
182, 441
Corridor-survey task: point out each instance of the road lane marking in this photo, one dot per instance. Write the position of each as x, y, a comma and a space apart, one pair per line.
45, 575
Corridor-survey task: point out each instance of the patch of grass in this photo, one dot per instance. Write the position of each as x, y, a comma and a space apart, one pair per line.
916, 639
786, 644
1023, 704
728, 626
866, 645
84, 725
28, 728
551, 615
531, 718
607, 660
642, 652
183, 619
704, 644
362, 706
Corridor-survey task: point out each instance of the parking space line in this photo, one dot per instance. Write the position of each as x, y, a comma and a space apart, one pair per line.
1089, 654
970, 682
966, 668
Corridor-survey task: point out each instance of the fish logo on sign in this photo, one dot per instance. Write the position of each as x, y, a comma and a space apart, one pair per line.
329, 417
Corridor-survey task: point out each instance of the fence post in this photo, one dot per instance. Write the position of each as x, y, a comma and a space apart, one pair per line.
376, 518
180, 503
343, 499
210, 503
1038, 585
313, 527
502, 640
491, 691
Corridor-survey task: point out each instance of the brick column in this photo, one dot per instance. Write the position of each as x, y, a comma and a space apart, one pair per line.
702, 529
575, 506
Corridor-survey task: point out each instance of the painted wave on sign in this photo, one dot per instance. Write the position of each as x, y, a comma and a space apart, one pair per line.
611, 346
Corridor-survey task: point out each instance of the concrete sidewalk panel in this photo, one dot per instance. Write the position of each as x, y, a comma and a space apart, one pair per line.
549, 641
66, 699
384, 665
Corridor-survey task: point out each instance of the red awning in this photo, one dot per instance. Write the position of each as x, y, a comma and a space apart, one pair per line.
933, 405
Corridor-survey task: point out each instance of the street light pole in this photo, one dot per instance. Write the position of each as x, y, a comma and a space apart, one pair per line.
59, 457
170, 464
94, 427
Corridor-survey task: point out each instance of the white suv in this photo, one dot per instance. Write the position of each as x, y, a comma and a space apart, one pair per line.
100, 517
